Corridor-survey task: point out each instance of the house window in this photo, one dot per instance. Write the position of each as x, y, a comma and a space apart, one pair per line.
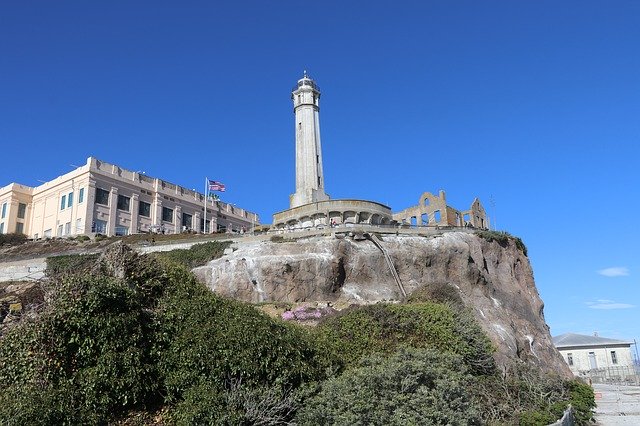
102, 196
99, 227
60, 229
47, 233
81, 195
79, 229
167, 214
70, 199
122, 231
187, 220
614, 357
2, 228
67, 228
4, 210
63, 202
20, 230
123, 203
22, 209
570, 359
144, 209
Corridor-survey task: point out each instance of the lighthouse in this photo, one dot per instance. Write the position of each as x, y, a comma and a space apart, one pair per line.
309, 174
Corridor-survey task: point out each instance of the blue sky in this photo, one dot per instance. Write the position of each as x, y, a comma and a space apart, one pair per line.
534, 104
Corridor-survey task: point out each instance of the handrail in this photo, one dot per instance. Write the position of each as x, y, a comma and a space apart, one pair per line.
392, 268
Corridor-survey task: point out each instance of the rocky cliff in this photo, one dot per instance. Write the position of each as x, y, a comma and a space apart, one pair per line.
494, 280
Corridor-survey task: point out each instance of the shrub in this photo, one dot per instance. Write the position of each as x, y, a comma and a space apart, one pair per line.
502, 238
59, 266
104, 345
13, 239
412, 386
382, 328
197, 255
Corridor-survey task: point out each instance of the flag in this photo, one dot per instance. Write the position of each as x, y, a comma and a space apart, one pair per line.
214, 185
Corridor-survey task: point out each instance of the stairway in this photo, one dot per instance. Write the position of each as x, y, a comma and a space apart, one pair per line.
392, 268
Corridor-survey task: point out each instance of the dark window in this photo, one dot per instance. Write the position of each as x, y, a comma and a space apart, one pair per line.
123, 203
144, 209
63, 202
102, 196
570, 359
22, 208
81, 195
70, 199
167, 214
20, 230
187, 220
614, 357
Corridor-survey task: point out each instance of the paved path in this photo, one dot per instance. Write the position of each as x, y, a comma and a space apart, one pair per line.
617, 405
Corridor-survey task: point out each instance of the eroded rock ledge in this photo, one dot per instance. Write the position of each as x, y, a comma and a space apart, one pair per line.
495, 281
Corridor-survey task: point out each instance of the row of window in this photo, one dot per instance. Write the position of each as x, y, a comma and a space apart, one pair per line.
66, 200
592, 358
144, 208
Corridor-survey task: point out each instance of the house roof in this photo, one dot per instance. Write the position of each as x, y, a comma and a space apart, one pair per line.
572, 340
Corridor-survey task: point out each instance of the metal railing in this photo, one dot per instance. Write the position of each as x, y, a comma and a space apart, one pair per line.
621, 375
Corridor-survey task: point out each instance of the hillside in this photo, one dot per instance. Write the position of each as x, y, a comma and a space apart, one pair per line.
492, 278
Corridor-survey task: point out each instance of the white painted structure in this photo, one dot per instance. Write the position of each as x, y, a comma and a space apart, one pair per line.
584, 353
309, 174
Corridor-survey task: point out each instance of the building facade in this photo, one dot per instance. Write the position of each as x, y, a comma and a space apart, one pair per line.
595, 356
103, 198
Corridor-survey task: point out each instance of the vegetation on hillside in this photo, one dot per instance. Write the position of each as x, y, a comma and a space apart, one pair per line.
503, 238
129, 334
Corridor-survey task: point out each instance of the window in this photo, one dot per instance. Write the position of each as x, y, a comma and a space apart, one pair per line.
79, 229
63, 202
4, 210
144, 209
47, 233
614, 357
70, 199
102, 196
122, 231
20, 230
167, 214
99, 227
22, 209
187, 220
60, 229
2, 228
67, 228
81, 195
123, 203
570, 359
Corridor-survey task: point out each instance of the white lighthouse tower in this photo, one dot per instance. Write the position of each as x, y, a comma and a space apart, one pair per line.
309, 174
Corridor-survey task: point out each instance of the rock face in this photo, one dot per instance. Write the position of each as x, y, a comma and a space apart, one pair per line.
495, 281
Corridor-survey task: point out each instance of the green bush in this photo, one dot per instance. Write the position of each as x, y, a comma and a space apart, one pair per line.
412, 386
382, 328
197, 255
59, 266
105, 345
503, 238
12, 239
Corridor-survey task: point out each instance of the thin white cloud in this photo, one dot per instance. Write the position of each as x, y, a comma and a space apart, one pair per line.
608, 304
616, 271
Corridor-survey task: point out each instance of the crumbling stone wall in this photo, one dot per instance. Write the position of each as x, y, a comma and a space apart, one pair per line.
432, 210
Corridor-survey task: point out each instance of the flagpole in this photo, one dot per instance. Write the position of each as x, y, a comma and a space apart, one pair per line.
206, 188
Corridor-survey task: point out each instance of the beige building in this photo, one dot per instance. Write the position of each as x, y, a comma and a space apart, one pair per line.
103, 198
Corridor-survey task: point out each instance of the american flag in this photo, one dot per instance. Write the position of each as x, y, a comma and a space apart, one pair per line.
214, 185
